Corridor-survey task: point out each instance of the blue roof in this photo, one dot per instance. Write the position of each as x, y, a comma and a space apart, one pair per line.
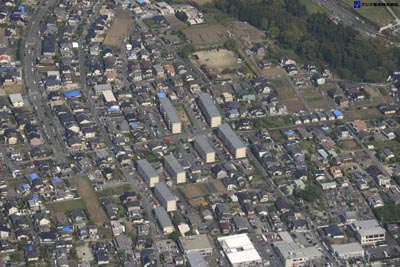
161, 95
56, 180
67, 228
33, 176
337, 113
72, 94
5, 70
113, 109
35, 197
323, 153
25, 186
30, 248
290, 132
325, 129
140, 1
134, 125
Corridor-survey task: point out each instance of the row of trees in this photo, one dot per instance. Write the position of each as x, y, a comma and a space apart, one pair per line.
316, 38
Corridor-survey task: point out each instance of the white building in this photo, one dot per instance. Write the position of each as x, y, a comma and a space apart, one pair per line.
239, 250
231, 141
205, 150
209, 110
174, 169
347, 251
368, 232
291, 255
164, 195
16, 100
147, 172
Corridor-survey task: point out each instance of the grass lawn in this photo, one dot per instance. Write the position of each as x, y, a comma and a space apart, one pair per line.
65, 206
271, 122
114, 191
378, 15
284, 89
393, 145
312, 7
364, 114
90, 200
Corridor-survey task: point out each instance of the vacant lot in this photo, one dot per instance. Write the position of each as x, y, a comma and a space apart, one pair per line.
362, 114
194, 191
114, 191
294, 106
89, 199
284, 89
348, 145
218, 59
246, 32
274, 72
318, 102
206, 35
65, 206
180, 110
119, 29
376, 96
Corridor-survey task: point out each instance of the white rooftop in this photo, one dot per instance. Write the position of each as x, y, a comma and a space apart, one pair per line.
239, 249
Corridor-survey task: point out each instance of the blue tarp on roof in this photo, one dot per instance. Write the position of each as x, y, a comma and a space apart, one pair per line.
140, 1
323, 153
30, 248
35, 197
72, 94
33, 176
337, 113
134, 125
5, 70
22, 9
290, 132
57, 180
161, 95
25, 186
325, 129
67, 229
113, 109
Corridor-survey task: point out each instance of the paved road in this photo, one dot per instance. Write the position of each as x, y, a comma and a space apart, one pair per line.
37, 98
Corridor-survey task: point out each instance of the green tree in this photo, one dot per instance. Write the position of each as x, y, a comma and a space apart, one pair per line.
181, 15
174, 235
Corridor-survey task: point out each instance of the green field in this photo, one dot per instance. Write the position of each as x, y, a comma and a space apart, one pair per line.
65, 206
114, 191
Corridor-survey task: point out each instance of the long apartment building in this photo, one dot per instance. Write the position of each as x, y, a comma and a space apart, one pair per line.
209, 110
169, 115
174, 169
231, 141
147, 172
164, 195
204, 149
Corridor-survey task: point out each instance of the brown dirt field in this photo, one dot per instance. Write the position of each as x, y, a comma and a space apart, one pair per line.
284, 89
174, 22
247, 32
363, 114
13, 89
119, 29
2, 32
294, 105
205, 35
348, 145
319, 103
274, 72
218, 60
201, 2
194, 190
90, 200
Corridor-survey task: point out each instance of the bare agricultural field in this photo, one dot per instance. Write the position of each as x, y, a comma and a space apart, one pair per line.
119, 29
294, 106
206, 35
362, 114
376, 96
274, 72
90, 200
218, 59
284, 89
174, 22
247, 32
318, 102
348, 145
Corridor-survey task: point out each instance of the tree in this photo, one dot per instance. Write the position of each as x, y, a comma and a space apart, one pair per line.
174, 235
187, 50
181, 15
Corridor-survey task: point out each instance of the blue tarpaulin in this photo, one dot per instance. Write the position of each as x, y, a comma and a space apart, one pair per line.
33, 176
72, 94
30, 248
67, 229
290, 132
337, 113
35, 197
161, 95
25, 186
134, 125
140, 2
57, 180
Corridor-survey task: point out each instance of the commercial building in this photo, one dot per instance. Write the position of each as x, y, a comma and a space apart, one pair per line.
169, 115
239, 250
174, 169
368, 232
204, 149
163, 220
200, 243
231, 141
291, 255
209, 110
147, 172
348, 251
16, 100
195, 259
164, 195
